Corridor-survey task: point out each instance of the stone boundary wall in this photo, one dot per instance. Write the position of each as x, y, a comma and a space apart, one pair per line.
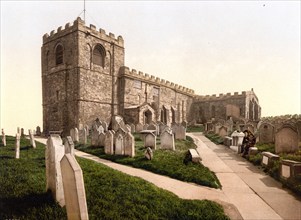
133, 74
79, 24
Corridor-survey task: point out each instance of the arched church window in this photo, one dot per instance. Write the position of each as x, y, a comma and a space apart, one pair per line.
99, 55
59, 54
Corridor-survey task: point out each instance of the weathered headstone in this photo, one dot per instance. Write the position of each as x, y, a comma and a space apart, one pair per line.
76, 135
94, 138
38, 130
74, 189
72, 133
31, 138
167, 141
286, 140
109, 143
22, 132
119, 145
55, 151
101, 139
105, 126
83, 136
17, 146
100, 129
222, 131
180, 133
18, 130
139, 127
3, 138
149, 153
266, 133
69, 145
129, 145
150, 141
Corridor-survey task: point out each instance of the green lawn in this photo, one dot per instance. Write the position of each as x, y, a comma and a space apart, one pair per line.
165, 162
110, 194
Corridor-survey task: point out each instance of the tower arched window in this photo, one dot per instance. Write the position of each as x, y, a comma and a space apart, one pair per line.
99, 55
59, 54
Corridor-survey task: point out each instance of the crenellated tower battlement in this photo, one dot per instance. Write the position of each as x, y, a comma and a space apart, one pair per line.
79, 25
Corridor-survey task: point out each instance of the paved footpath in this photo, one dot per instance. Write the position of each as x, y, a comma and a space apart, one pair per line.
247, 193
255, 194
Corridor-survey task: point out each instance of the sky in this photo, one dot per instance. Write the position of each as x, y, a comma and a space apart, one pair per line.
211, 47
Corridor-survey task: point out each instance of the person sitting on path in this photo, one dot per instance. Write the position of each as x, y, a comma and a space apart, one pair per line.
248, 141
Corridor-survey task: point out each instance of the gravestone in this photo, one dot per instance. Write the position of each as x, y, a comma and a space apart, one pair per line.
101, 139
55, 151
128, 128
18, 130
286, 140
266, 133
269, 159
105, 126
222, 131
69, 145
167, 141
94, 138
101, 129
3, 138
22, 132
149, 153
76, 135
74, 189
290, 169
150, 141
31, 138
119, 145
83, 136
139, 127
180, 133
17, 146
165, 128
184, 124
38, 130
162, 127
234, 136
109, 143
129, 145
72, 133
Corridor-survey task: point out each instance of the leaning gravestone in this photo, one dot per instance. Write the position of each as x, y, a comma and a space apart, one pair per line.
3, 138
74, 189
167, 140
17, 146
286, 140
129, 145
222, 131
22, 132
38, 131
31, 137
109, 143
83, 136
149, 153
133, 129
55, 151
72, 133
69, 146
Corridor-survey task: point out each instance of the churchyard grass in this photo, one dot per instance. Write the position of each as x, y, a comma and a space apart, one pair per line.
110, 194
196, 128
165, 162
215, 138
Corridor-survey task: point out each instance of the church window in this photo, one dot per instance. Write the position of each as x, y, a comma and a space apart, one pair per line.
59, 55
99, 55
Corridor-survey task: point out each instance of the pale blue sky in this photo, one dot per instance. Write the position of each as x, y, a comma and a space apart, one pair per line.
210, 46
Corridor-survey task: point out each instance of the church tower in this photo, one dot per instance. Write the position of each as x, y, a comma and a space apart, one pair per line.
80, 67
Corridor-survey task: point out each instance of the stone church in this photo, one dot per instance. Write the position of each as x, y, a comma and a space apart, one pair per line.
84, 77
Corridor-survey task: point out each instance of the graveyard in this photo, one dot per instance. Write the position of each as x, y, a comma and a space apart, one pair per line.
110, 194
